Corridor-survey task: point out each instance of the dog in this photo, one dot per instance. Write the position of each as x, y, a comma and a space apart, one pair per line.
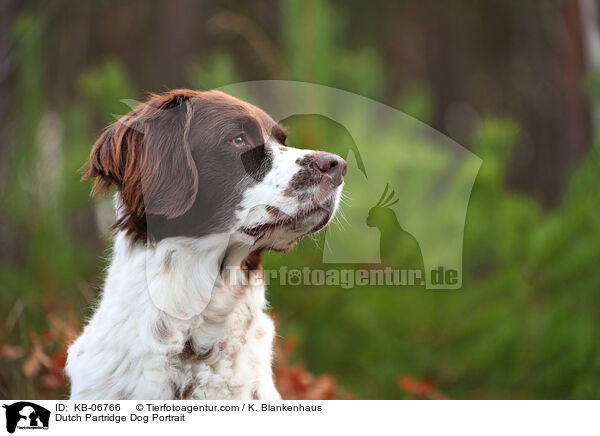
205, 184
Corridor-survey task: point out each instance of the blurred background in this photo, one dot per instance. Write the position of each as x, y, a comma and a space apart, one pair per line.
515, 82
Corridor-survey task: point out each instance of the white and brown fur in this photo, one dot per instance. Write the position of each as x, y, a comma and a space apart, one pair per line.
205, 183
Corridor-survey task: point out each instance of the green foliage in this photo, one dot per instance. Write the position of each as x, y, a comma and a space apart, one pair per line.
309, 40
106, 86
417, 102
46, 206
522, 326
216, 72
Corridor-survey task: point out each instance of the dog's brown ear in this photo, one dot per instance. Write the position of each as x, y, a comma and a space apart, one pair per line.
105, 161
146, 154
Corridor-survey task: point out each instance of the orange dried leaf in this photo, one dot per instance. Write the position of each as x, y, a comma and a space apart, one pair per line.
31, 367
11, 352
53, 381
420, 389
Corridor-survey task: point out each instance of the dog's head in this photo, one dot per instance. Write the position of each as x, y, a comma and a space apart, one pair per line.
189, 163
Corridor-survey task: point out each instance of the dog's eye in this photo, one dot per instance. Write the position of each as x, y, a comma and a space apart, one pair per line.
239, 141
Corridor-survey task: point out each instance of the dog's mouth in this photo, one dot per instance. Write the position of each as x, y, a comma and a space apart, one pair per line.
309, 220
283, 230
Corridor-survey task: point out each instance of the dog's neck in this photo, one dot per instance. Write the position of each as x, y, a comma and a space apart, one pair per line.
181, 311
181, 273
176, 320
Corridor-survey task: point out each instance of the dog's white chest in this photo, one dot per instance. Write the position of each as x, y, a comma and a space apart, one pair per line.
238, 364
132, 349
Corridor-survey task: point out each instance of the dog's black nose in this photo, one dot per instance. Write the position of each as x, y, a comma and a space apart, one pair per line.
332, 166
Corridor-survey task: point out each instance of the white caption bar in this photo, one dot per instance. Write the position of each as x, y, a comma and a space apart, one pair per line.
303, 417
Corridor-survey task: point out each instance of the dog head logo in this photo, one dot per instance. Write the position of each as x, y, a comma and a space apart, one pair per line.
26, 415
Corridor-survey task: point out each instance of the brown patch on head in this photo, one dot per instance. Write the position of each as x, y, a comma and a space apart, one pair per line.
305, 177
279, 133
306, 160
254, 395
152, 155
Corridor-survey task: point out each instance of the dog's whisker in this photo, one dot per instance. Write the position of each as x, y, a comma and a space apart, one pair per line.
343, 215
